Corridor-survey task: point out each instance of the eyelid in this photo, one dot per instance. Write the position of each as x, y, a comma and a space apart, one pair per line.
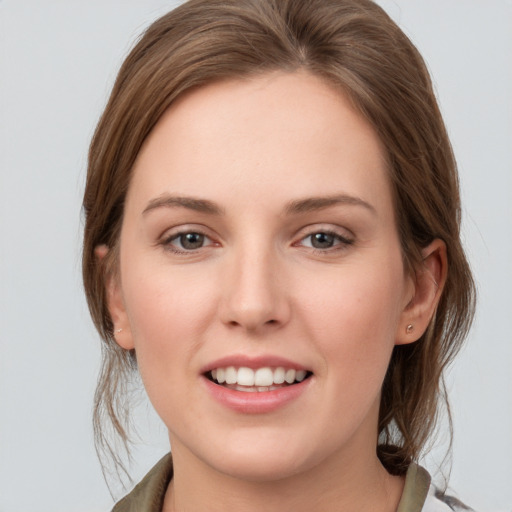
171, 234
343, 236
181, 228
333, 229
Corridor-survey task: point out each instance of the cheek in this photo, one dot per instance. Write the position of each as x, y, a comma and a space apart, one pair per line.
356, 321
168, 311
162, 298
168, 314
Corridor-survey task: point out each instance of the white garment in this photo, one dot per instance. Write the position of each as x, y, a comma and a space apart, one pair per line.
435, 504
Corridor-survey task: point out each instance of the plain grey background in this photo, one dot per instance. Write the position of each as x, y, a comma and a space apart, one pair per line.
58, 60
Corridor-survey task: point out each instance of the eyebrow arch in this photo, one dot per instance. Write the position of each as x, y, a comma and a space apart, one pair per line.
319, 203
191, 203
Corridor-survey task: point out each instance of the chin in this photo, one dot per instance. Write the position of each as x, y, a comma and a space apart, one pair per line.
260, 468
262, 462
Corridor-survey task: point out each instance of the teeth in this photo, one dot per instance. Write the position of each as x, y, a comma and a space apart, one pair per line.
300, 375
254, 389
245, 377
279, 375
262, 379
247, 389
289, 376
231, 375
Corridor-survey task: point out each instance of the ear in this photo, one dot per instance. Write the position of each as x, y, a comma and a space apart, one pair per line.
428, 284
115, 303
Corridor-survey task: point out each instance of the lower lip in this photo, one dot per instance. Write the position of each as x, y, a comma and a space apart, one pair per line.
258, 402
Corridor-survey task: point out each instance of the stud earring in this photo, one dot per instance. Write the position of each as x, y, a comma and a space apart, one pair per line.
117, 331
409, 329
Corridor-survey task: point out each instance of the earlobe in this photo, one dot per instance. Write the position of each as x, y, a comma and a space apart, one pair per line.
115, 303
429, 282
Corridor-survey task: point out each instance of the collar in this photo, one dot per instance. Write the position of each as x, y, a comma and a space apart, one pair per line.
417, 484
149, 494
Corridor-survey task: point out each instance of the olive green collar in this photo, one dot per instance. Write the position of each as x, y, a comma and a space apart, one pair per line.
417, 484
149, 494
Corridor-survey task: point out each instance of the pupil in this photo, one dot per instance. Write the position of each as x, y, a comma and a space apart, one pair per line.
322, 240
192, 240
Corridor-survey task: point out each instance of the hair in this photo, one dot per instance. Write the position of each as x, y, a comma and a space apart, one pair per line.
355, 47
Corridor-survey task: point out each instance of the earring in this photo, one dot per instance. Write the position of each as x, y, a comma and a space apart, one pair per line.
117, 331
409, 329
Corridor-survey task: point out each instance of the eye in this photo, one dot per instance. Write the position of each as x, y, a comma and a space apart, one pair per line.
187, 241
325, 240
322, 240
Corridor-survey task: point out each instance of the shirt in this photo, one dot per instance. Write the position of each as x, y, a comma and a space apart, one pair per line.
419, 494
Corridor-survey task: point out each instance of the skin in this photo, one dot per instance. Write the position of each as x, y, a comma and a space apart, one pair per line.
254, 149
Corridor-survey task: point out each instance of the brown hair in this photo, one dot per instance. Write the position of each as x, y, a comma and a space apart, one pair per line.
354, 46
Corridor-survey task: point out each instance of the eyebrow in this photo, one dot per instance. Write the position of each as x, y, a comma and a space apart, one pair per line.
191, 203
299, 206
319, 203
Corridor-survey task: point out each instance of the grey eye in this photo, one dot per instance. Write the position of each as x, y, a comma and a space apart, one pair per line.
322, 240
191, 241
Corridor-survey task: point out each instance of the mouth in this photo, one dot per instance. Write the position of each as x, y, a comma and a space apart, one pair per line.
256, 380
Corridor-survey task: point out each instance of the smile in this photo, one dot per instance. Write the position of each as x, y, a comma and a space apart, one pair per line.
256, 380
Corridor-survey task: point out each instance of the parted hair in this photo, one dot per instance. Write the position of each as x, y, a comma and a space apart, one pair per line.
355, 47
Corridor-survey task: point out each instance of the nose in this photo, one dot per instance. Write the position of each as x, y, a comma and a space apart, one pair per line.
255, 296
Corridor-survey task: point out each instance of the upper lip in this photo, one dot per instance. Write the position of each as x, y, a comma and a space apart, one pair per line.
240, 360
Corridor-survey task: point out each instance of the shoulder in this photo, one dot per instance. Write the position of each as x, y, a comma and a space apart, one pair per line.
148, 495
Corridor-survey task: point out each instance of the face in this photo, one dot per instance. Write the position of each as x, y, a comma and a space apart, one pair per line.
261, 281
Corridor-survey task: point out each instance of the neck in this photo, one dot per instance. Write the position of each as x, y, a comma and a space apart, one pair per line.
340, 484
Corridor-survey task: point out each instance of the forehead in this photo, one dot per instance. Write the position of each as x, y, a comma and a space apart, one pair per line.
290, 129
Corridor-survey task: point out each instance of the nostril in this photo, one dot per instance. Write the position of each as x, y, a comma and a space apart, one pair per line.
252, 324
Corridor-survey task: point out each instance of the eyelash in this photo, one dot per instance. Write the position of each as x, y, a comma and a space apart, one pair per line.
168, 245
340, 242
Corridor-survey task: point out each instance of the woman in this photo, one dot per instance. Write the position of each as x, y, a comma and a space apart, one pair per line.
272, 241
